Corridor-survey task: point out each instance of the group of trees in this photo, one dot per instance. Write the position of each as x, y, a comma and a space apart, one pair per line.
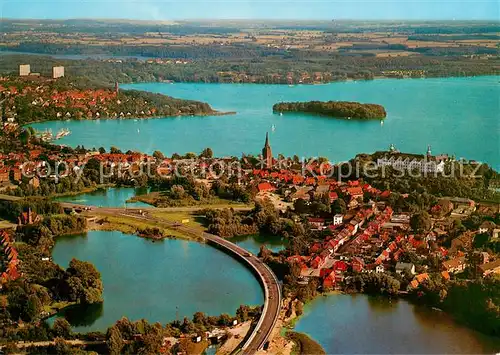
26, 297
473, 302
141, 337
376, 284
42, 234
231, 191
40, 331
320, 206
263, 218
82, 283
466, 181
11, 210
342, 109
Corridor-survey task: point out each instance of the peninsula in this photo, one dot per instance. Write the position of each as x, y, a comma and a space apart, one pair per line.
339, 109
33, 98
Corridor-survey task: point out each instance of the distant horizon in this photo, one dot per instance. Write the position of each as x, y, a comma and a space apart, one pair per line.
280, 10
302, 20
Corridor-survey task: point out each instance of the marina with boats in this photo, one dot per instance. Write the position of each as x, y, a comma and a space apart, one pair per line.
47, 135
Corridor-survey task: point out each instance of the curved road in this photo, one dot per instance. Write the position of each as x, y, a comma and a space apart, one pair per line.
270, 284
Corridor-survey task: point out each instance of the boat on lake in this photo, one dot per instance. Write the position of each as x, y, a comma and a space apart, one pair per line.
62, 133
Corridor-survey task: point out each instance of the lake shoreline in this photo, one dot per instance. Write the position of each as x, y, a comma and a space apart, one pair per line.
417, 308
143, 118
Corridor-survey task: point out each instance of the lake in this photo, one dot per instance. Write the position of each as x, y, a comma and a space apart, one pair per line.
359, 324
454, 115
158, 281
108, 197
252, 243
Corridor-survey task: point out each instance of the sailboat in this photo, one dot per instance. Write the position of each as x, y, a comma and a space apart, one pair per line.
381, 122
138, 131
281, 113
273, 128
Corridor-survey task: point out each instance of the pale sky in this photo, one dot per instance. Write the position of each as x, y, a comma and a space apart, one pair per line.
254, 9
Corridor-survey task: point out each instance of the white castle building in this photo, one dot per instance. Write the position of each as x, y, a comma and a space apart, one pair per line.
428, 164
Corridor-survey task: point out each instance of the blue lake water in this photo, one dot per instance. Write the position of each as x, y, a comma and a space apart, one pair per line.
359, 324
108, 197
158, 281
252, 243
454, 115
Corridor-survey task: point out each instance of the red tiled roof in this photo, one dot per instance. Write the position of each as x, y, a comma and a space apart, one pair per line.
265, 186
355, 191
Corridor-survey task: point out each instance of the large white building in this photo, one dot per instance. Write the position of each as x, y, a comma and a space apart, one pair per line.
429, 164
24, 70
57, 72
422, 165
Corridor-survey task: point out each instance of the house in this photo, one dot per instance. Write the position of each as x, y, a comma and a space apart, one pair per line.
316, 223
413, 284
487, 227
265, 186
337, 219
496, 233
379, 269
462, 242
490, 268
333, 196
329, 281
4, 175
321, 190
355, 192
422, 277
405, 267
17, 175
35, 182
454, 265
358, 264
353, 204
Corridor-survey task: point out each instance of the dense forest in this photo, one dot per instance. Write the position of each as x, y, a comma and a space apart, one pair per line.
341, 109
278, 68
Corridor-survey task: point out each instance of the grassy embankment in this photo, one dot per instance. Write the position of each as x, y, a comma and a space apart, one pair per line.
158, 199
130, 225
83, 191
304, 344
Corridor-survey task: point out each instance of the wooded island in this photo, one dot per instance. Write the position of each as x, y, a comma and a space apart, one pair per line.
340, 109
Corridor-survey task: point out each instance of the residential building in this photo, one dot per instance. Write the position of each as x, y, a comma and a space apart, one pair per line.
337, 219
358, 264
265, 186
24, 70
57, 72
455, 265
490, 268
487, 227
405, 267
4, 175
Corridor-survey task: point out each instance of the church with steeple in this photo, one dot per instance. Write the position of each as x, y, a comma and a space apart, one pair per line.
267, 154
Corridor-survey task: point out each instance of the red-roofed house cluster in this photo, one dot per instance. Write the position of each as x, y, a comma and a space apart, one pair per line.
8, 259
